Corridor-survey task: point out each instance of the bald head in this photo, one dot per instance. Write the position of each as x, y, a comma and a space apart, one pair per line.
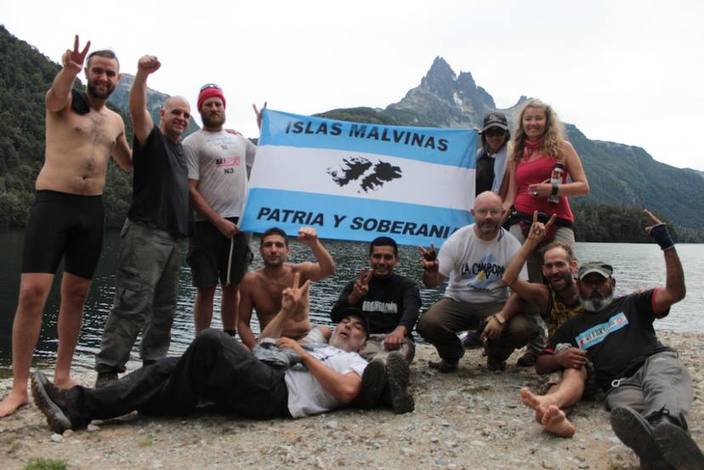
487, 197
488, 213
173, 101
175, 116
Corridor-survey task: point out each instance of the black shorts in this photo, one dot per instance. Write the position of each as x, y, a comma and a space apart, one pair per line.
209, 255
63, 225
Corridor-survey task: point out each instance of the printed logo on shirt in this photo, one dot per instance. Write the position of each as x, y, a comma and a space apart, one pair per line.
228, 164
598, 333
482, 274
377, 306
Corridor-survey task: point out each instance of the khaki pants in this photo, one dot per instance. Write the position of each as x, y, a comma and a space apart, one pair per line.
145, 296
440, 324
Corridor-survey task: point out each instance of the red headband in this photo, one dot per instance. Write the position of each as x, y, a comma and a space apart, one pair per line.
210, 92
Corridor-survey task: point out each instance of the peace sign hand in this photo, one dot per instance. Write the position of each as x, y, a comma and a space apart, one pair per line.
361, 285
73, 59
538, 230
295, 297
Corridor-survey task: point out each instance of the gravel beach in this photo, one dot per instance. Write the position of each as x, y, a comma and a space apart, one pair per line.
468, 420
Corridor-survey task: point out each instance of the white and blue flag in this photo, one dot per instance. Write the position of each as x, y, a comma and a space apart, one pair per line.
357, 181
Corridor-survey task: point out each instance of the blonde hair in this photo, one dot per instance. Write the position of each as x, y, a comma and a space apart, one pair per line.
552, 138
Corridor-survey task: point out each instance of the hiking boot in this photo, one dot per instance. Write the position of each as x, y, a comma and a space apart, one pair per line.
373, 384
637, 433
677, 446
51, 401
443, 365
494, 364
105, 378
398, 374
472, 340
528, 359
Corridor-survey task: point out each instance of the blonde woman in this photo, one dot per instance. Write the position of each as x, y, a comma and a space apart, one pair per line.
539, 144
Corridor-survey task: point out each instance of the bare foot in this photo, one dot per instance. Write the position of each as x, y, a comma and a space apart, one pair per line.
65, 384
533, 401
14, 400
556, 422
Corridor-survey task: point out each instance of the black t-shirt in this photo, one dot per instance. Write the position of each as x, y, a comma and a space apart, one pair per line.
618, 339
160, 185
390, 302
484, 178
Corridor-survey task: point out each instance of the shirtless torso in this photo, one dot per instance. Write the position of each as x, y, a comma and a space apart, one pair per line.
78, 147
261, 290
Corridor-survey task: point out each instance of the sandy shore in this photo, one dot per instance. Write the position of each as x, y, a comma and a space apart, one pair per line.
471, 419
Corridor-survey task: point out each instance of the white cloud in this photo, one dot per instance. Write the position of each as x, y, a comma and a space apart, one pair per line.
627, 71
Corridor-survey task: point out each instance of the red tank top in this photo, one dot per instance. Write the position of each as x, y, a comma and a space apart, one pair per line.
537, 171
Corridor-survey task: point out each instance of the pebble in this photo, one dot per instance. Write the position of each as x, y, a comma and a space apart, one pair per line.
93, 428
56, 438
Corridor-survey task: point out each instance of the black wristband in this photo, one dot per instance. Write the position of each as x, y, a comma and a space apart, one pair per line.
662, 237
555, 187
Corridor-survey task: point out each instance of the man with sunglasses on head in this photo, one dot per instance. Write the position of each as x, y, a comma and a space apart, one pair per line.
390, 304
154, 238
219, 163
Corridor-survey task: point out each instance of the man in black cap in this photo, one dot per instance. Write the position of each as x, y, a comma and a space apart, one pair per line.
491, 157
648, 389
219, 369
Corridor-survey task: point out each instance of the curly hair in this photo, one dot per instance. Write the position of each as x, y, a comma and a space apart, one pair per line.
553, 136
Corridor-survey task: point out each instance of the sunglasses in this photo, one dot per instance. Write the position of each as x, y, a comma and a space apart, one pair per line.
494, 131
210, 85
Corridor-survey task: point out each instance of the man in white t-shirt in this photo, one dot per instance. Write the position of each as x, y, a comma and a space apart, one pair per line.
218, 166
217, 368
473, 260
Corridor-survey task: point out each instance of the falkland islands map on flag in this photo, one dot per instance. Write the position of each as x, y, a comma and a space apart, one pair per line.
356, 181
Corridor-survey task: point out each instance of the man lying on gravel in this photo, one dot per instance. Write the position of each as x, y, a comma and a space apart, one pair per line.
648, 389
216, 368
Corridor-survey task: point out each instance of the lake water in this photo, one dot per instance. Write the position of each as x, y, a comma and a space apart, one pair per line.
636, 266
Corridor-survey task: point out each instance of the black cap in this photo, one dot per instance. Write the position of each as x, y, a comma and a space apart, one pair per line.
355, 312
495, 120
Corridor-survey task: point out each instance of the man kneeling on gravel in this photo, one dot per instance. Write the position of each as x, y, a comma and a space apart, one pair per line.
216, 368
648, 389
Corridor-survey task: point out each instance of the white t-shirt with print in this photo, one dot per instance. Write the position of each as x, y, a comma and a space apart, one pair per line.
220, 161
475, 267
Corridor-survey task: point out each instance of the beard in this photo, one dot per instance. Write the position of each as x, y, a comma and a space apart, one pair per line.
213, 119
596, 301
103, 95
488, 227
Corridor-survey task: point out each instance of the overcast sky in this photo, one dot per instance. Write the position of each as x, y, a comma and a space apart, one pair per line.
624, 71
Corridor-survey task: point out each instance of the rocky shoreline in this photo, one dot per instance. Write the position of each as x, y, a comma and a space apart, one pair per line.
471, 419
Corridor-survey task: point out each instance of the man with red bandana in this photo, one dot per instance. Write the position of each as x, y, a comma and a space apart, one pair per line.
218, 167
153, 240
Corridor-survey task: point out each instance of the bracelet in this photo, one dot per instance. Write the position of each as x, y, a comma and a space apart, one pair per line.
555, 187
498, 320
662, 237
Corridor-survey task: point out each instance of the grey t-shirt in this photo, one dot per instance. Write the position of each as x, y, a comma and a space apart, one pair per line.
220, 161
